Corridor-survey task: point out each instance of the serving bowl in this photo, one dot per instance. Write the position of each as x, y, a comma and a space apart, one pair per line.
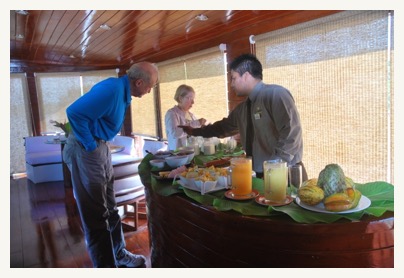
162, 154
159, 163
188, 153
176, 160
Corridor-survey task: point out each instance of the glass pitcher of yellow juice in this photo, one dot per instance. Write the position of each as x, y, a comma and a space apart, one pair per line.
275, 180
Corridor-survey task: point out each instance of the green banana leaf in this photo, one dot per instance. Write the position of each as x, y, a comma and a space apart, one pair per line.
201, 159
381, 195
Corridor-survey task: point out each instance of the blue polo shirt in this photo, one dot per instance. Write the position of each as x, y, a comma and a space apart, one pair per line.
100, 112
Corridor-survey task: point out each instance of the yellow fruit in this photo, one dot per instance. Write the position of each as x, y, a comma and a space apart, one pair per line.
338, 202
349, 182
338, 206
310, 182
338, 197
348, 199
355, 196
310, 194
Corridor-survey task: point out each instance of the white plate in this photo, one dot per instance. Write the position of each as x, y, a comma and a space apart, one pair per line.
364, 203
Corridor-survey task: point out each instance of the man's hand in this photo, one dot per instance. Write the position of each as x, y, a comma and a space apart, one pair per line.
202, 121
187, 129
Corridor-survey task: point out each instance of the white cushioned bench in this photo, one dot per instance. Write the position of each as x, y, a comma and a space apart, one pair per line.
43, 161
125, 162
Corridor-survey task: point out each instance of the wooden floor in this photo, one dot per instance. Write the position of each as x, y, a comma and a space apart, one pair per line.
45, 229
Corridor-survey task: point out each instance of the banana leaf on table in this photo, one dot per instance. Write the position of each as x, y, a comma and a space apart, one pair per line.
201, 159
381, 195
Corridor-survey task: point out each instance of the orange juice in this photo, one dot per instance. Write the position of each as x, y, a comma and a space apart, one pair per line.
275, 180
241, 178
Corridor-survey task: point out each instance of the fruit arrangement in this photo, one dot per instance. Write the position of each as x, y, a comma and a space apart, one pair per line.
333, 188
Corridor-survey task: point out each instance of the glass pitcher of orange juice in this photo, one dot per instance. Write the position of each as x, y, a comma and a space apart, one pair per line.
241, 175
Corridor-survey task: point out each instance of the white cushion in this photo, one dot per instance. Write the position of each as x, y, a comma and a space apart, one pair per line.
45, 173
119, 158
127, 142
44, 157
35, 144
39, 151
154, 146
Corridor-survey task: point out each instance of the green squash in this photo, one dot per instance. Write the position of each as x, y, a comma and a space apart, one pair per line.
332, 180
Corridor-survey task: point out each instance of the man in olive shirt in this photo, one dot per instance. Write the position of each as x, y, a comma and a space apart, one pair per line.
276, 130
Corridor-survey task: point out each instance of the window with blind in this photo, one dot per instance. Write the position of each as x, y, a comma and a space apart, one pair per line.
20, 121
205, 71
90, 78
144, 115
340, 71
54, 99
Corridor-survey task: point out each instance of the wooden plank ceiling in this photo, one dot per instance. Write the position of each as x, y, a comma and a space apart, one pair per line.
120, 37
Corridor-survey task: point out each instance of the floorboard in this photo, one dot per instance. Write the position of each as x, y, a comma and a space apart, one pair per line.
45, 229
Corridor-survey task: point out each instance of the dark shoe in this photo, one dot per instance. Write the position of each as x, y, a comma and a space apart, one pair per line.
131, 260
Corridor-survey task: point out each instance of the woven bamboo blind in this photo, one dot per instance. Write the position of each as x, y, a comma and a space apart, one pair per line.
90, 78
144, 120
204, 71
340, 71
20, 121
56, 91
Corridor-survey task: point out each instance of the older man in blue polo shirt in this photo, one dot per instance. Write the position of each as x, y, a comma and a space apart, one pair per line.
95, 118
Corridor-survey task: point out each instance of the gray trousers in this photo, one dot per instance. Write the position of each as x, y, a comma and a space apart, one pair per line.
93, 188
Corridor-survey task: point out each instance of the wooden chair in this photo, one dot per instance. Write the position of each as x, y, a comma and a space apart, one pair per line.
130, 192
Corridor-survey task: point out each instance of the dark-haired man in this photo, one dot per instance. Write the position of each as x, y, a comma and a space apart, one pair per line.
274, 131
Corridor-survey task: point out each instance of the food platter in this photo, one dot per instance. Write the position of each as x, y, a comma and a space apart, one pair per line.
364, 203
156, 175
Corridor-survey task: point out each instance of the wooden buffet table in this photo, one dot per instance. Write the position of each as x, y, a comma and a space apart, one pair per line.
185, 233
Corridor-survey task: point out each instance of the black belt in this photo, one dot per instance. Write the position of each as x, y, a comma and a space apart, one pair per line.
99, 140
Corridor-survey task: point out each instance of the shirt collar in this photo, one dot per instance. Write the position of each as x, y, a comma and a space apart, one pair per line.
128, 97
255, 92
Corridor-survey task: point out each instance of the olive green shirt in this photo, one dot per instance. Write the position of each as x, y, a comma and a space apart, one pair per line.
276, 121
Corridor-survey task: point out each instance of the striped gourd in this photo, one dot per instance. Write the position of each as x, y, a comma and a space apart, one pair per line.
311, 194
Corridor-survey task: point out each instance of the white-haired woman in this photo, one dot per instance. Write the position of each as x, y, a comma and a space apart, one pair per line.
180, 115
